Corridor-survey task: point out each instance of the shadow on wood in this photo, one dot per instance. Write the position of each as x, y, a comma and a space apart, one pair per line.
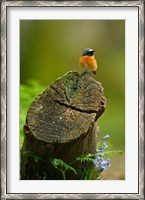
61, 124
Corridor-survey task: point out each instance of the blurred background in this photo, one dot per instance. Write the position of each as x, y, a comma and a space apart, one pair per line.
51, 48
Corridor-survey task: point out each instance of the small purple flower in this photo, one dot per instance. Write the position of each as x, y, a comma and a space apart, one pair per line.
99, 162
106, 137
99, 158
98, 151
95, 163
102, 168
108, 162
104, 164
103, 146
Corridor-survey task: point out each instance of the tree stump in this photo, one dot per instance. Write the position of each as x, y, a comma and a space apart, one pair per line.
60, 124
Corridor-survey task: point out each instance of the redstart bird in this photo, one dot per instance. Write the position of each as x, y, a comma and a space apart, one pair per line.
88, 61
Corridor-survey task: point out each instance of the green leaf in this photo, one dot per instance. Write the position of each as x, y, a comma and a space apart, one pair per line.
33, 155
58, 163
114, 152
86, 157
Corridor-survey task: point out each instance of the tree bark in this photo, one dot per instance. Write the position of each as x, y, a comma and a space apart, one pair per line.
60, 124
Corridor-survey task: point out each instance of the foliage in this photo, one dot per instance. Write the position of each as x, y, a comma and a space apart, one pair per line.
27, 93
33, 155
62, 166
98, 159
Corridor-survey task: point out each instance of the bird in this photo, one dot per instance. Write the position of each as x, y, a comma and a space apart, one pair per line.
88, 61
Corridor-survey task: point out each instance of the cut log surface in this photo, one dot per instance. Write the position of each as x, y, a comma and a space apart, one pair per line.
60, 123
66, 109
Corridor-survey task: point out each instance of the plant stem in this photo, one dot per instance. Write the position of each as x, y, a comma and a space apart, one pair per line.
63, 174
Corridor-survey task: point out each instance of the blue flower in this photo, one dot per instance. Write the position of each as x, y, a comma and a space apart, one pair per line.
98, 151
101, 164
103, 146
102, 168
106, 137
97, 161
108, 162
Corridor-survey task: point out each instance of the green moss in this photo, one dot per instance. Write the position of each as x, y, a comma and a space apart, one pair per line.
71, 83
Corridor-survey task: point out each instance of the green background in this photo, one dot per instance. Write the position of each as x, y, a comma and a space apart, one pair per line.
51, 48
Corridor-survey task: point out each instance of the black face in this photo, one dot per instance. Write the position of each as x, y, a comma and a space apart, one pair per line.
88, 52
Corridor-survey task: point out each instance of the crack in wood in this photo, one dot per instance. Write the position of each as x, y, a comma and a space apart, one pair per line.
56, 91
77, 109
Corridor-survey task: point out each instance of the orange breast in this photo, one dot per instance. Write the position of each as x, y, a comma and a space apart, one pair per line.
88, 62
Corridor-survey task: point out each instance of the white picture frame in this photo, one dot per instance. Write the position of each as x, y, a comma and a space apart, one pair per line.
7, 73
